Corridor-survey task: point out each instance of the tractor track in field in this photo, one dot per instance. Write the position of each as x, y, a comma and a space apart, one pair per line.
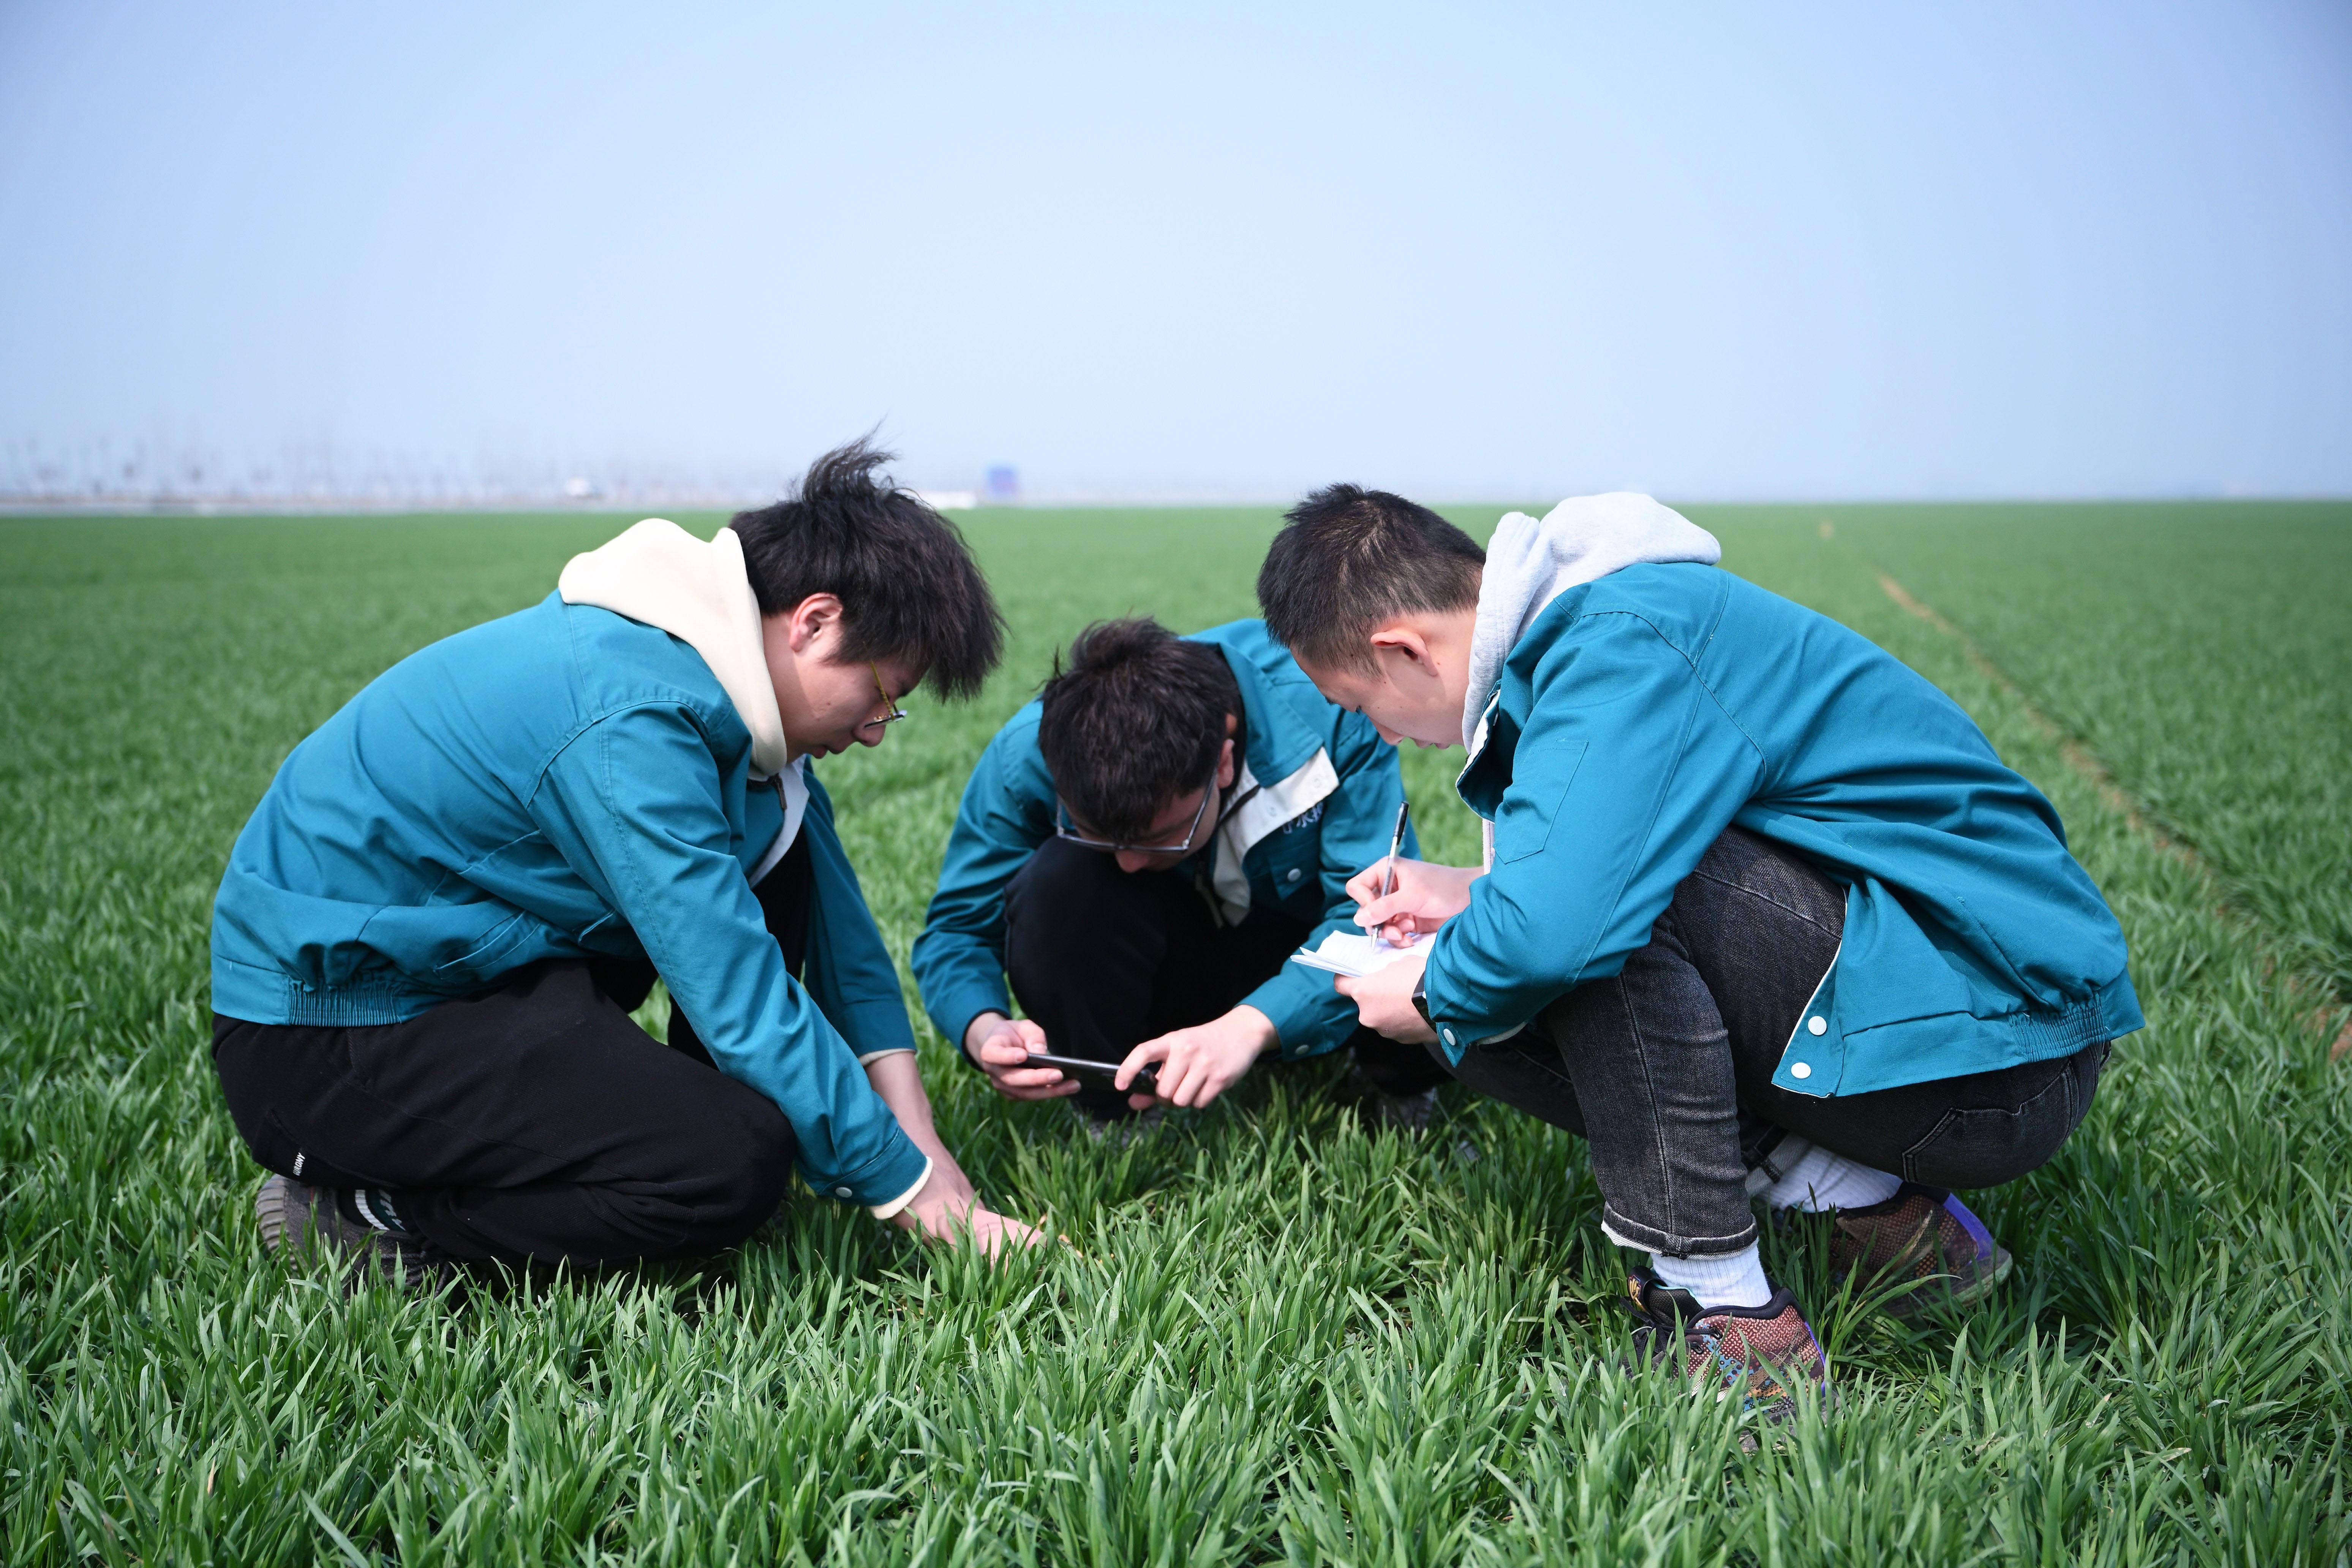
2087, 766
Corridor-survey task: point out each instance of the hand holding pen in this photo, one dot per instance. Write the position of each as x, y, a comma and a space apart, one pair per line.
1404, 902
1396, 847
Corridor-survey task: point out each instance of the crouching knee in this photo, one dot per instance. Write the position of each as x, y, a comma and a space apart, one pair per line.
750, 1166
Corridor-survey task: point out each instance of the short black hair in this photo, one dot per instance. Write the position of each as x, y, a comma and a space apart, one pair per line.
1349, 559
908, 584
1135, 718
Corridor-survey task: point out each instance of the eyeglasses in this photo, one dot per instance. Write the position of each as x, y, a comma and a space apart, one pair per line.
888, 702
1065, 826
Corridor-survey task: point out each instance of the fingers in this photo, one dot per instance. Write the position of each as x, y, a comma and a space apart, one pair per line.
1004, 1050
1004, 1056
1150, 1051
1395, 906
1035, 1083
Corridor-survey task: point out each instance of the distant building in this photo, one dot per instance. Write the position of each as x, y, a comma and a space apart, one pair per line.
579, 489
1002, 483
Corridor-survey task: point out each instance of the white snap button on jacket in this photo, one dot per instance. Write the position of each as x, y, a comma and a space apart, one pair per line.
840, 1192
1448, 1033
1801, 1069
1817, 1027
1294, 874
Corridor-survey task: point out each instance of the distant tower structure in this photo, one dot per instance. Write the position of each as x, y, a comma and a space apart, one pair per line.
1002, 482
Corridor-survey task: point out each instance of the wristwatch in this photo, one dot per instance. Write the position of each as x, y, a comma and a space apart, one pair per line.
1420, 1004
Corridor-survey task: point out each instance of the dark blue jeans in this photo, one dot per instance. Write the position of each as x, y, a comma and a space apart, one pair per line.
1665, 1069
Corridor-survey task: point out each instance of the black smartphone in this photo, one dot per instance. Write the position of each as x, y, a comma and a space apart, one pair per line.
1147, 1077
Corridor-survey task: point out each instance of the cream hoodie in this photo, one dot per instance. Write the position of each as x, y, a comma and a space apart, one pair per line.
701, 594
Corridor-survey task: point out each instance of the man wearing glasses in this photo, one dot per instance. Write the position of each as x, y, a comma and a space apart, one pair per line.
434, 928
1140, 850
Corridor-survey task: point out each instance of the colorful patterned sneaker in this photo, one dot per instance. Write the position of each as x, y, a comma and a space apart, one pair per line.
295, 1218
1924, 1243
1762, 1354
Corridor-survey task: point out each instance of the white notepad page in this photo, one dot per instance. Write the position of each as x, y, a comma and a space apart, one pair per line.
1355, 952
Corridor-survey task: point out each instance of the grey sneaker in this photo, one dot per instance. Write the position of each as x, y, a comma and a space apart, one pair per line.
297, 1217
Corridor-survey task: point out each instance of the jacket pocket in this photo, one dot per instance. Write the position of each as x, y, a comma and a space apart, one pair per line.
482, 963
1523, 826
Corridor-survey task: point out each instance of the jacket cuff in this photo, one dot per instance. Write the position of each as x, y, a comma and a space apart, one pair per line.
892, 1173
888, 1210
869, 1058
953, 1014
873, 1027
1308, 1019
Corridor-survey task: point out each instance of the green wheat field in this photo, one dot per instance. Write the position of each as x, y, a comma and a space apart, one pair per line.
1275, 1337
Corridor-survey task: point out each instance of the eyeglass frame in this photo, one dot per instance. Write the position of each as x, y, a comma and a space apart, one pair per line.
888, 700
1066, 822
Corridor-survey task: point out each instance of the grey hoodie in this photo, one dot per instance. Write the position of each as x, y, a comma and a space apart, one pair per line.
1530, 564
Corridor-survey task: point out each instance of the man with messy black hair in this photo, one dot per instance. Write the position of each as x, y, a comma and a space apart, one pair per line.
1140, 849
436, 925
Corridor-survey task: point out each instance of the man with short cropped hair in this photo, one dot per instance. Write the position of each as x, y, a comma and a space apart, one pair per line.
1141, 848
1762, 913
435, 927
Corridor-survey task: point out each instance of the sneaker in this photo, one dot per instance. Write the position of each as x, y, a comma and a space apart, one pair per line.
1410, 1114
1760, 1354
295, 1218
1922, 1240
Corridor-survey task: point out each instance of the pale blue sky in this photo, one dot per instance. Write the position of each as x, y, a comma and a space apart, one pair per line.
1741, 250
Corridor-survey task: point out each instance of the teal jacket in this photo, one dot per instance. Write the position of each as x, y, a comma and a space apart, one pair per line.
565, 783
1326, 795
1642, 714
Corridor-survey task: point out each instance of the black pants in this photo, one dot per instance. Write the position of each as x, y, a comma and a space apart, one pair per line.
1105, 959
536, 1120
1666, 1069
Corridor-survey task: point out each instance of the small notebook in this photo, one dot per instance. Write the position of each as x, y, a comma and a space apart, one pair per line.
1353, 953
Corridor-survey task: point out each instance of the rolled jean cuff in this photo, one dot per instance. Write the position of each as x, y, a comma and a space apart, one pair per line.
1648, 1238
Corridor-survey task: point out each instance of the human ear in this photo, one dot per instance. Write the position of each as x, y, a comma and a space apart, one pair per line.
1404, 643
1225, 767
810, 617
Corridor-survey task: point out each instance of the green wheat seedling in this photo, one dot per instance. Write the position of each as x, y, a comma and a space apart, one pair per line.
1276, 1337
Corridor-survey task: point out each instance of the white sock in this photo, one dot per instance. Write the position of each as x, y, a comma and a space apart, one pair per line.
1821, 1180
1726, 1279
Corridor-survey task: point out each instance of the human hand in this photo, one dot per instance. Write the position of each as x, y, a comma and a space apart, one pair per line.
899, 1083
1198, 1064
939, 1215
1427, 895
1001, 1045
1384, 1000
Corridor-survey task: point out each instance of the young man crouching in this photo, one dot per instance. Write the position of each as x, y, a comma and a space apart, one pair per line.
1143, 848
435, 927
1762, 911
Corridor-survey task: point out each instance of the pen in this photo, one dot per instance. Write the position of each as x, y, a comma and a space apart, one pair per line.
1396, 846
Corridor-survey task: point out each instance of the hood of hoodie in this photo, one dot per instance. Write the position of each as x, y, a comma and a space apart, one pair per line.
1530, 564
659, 574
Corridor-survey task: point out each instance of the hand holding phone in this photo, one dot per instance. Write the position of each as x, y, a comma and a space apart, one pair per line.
1147, 1079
